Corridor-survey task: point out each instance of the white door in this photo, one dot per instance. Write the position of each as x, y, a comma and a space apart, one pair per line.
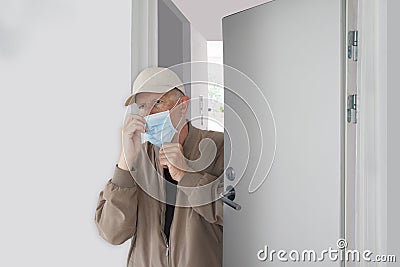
293, 51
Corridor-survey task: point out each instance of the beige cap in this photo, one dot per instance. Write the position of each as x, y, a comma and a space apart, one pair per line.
155, 80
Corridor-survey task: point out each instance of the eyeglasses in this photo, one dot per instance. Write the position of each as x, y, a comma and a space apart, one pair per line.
156, 105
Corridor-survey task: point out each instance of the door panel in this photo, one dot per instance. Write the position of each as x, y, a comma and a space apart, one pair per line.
174, 42
292, 51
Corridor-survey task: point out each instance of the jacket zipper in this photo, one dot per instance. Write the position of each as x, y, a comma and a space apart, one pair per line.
169, 240
164, 211
167, 243
163, 234
167, 254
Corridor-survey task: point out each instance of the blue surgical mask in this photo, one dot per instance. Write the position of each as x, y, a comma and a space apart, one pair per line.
159, 128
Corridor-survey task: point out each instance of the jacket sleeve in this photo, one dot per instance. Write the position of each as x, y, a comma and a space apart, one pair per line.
116, 211
213, 210
205, 189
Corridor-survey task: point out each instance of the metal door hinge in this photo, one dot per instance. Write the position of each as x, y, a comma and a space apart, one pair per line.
352, 48
352, 108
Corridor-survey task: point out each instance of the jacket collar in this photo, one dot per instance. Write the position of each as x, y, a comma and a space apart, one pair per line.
191, 138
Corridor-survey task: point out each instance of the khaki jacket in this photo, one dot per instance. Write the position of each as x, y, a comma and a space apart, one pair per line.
131, 207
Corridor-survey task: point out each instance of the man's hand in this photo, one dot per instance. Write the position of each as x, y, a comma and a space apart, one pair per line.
133, 126
171, 156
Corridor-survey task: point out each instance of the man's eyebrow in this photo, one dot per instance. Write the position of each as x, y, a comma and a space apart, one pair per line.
164, 97
140, 103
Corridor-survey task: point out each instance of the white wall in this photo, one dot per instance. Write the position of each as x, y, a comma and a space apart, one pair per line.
199, 73
64, 75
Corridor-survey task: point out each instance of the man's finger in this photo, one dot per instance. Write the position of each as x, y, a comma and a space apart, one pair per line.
169, 144
131, 117
170, 148
137, 117
164, 162
172, 154
175, 138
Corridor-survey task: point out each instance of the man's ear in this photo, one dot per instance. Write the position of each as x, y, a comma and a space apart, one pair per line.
185, 103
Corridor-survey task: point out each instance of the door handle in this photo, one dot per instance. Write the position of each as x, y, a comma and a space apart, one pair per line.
228, 196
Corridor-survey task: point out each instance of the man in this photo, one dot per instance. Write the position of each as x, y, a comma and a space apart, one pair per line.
175, 220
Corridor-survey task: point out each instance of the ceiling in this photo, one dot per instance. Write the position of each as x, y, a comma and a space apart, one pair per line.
206, 15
